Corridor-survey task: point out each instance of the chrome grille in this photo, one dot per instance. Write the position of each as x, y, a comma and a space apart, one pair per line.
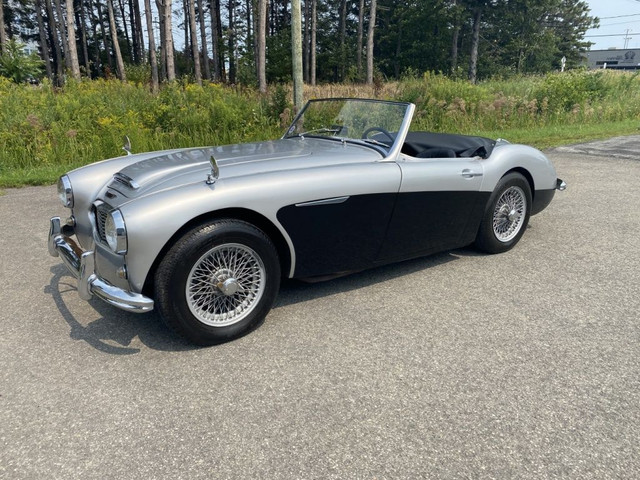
101, 212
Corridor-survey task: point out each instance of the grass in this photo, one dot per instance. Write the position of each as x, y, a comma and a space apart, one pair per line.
556, 135
45, 131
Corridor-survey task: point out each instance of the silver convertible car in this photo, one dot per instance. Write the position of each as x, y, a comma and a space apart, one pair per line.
205, 235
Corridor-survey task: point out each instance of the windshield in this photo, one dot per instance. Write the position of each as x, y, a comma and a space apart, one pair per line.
371, 122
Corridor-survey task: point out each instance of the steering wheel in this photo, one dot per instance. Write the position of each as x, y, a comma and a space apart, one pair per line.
366, 133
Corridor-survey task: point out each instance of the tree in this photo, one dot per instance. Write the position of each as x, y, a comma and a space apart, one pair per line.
71, 42
54, 40
296, 53
231, 36
3, 32
262, 44
203, 42
152, 47
166, 39
17, 65
44, 45
114, 39
370, 33
194, 42
475, 39
313, 47
360, 38
216, 40
62, 28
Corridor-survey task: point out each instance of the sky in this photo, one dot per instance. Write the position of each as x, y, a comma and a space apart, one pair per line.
616, 17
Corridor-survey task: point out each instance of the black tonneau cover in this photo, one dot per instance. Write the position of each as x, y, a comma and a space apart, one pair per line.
427, 144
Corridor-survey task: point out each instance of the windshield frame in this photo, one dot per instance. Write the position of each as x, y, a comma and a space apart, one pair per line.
389, 153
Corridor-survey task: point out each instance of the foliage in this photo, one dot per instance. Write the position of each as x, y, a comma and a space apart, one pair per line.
517, 37
45, 131
17, 65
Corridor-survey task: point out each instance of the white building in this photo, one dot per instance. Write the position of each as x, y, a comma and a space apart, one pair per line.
623, 59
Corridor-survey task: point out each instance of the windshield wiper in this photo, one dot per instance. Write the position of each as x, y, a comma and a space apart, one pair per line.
317, 130
376, 142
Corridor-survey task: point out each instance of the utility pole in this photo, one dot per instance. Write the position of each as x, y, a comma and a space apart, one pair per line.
626, 39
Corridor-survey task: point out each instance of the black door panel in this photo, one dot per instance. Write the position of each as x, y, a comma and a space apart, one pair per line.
337, 236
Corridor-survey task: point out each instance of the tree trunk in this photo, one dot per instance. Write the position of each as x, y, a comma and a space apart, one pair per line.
114, 40
250, 32
215, 39
454, 41
105, 37
262, 42
232, 44
396, 60
55, 41
80, 20
167, 39
153, 60
203, 41
60, 24
124, 26
360, 38
454, 49
314, 27
138, 37
342, 57
73, 47
94, 29
3, 32
370, 34
44, 45
197, 72
475, 40
187, 41
296, 54
305, 42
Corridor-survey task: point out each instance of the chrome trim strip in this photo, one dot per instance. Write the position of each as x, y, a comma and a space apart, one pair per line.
326, 201
82, 266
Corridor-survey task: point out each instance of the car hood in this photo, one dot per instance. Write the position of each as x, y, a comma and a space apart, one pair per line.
174, 168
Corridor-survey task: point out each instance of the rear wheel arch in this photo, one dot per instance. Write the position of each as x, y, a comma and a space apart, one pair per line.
527, 175
249, 216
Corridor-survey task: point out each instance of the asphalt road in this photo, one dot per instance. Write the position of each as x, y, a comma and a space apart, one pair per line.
461, 365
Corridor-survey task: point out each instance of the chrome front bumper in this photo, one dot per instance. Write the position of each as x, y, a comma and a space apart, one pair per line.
82, 266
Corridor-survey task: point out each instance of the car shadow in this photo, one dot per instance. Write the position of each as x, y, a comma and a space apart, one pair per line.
116, 329
296, 291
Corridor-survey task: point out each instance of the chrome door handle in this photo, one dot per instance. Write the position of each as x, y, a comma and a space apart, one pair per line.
466, 173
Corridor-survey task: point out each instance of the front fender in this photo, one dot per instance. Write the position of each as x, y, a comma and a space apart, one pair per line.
153, 220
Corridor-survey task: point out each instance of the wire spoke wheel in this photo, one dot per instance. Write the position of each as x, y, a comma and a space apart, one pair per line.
509, 214
225, 284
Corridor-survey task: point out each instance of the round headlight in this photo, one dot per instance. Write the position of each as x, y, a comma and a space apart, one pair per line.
115, 232
65, 192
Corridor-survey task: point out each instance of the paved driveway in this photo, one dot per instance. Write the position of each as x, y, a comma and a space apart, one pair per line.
521, 365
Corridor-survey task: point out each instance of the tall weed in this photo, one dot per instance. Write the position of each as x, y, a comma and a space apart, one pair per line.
46, 130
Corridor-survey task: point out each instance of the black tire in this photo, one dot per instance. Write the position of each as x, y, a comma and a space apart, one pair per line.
232, 273
506, 216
